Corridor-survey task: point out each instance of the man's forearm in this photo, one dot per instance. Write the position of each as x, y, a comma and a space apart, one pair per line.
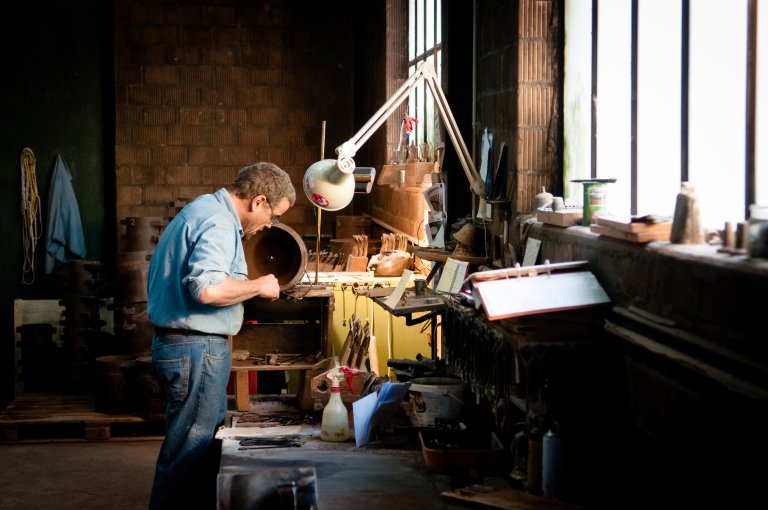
232, 291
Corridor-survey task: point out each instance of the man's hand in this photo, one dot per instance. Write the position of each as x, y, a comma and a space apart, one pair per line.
270, 288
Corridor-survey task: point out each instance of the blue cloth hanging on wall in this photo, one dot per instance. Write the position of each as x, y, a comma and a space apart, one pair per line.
65, 230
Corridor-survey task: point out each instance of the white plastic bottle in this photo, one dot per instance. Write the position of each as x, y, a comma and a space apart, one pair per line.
335, 424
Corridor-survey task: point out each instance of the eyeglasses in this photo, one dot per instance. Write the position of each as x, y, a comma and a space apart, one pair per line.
273, 218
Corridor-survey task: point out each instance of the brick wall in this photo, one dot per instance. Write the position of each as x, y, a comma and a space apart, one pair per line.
517, 98
203, 89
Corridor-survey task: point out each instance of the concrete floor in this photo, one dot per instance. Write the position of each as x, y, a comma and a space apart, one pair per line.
113, 475
116, 474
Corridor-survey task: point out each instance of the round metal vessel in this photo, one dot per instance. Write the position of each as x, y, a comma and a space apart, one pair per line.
279, 251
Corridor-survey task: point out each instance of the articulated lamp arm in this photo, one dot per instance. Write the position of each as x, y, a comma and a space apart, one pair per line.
426, 71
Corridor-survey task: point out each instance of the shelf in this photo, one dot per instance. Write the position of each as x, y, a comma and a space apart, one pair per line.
438, 255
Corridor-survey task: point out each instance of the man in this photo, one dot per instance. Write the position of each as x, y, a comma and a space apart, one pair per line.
197, 283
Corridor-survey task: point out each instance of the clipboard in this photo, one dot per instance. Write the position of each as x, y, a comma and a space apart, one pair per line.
520, 291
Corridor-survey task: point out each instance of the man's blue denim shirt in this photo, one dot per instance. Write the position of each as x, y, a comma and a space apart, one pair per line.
199, 248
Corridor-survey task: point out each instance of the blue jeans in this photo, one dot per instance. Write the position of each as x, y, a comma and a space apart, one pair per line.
192, 372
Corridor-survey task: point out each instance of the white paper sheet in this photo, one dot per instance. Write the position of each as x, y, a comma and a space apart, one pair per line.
452, 276
397, 294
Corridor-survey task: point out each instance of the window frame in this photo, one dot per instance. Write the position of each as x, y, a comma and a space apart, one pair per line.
753, 175
421, 104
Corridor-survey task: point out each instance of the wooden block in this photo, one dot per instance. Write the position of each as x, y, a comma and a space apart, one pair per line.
626, 225
634, 237
415, 172
242, 395
565, 218
96, 431
389, 174
357, 264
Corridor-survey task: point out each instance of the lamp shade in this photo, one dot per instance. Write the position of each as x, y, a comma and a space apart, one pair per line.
329, 187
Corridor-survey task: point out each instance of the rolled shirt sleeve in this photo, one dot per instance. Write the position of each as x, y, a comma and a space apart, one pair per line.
210, 262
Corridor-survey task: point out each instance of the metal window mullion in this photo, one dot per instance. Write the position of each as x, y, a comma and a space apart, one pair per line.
424, 23
426, 54
633, 109
593, 105
684, 87
750, 193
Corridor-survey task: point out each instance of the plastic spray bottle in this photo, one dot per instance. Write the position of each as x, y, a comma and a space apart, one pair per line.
335, 424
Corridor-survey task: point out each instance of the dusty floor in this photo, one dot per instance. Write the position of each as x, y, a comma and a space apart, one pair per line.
114, 475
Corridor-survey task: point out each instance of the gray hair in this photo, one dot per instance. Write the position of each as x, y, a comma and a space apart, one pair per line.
265, 179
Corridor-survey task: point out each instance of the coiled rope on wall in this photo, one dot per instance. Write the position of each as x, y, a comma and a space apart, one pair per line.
30, 212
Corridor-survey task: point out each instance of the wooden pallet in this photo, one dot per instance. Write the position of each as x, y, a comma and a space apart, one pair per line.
34, 417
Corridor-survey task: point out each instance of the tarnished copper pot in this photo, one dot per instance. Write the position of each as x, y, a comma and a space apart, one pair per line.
279, 251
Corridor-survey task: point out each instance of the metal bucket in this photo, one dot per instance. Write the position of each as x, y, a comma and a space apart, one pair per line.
111, 381
132, 270
134, 328
142, 233
434, 397
150, 403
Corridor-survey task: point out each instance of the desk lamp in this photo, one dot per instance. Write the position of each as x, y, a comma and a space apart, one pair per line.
329, 184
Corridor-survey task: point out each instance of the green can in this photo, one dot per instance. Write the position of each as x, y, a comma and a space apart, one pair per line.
595, 198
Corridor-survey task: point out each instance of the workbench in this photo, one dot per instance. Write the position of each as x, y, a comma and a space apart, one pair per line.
294, 327
354, 292
430, 304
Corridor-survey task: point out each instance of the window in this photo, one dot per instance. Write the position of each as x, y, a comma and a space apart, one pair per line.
717, 101
613, 131
658, 105
670, 103
424, 43
761, 138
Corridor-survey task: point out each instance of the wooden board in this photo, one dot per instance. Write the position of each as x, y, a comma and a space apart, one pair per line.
635, 237
55, 417
439, 255
565, 218
413, 172
357, 264
399, 210
481, 496
626, 225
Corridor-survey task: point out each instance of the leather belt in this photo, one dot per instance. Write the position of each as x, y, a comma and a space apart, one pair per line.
161, 331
